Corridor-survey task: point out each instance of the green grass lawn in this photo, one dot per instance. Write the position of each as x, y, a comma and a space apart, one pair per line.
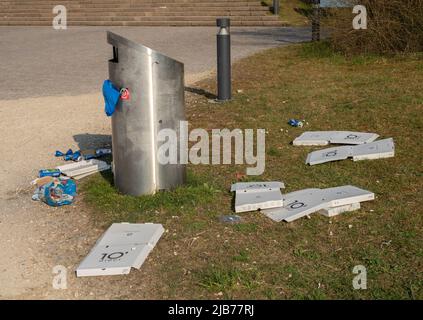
200, 257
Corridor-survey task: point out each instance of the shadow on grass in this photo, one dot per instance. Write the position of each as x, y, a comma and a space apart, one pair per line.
201, 92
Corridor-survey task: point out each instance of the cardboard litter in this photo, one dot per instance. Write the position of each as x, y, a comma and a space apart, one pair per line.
257, 186
81, 169
375, 150
322, 138
332, 212
252, 196
122, 247
296, 205
305, 202
369, 151
330, 154
39, 182
345, 195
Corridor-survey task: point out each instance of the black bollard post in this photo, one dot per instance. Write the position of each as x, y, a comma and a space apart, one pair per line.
315, 25
276, 7
224, 86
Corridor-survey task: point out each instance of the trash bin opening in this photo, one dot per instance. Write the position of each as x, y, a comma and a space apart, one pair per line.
115, 55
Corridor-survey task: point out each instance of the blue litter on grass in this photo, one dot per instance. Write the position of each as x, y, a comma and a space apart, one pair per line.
59, 192
49, 173
295, 123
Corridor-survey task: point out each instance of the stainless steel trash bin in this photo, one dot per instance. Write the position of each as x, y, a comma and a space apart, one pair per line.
156, 101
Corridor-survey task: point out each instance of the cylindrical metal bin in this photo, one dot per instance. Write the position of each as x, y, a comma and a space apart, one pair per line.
155, 101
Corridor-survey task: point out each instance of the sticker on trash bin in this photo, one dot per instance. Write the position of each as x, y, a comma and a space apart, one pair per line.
124, 94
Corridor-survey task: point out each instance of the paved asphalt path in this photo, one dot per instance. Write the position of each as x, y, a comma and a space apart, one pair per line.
40, 61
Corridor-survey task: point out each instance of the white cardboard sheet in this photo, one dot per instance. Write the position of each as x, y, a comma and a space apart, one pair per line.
329, 154
369, 151
332, 212
252, 196
354, 138
305, 202
322, 138
122, 247
257, 186
252, 201
297, 204
375, 150
341, 196
83, 168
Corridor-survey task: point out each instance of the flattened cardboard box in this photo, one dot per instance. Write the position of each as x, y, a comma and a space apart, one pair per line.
83, 168
369, 151
322, 138
375, 150
305, 202
251, 196
330, 154
296, 205
122, 247
332, 212
257, 186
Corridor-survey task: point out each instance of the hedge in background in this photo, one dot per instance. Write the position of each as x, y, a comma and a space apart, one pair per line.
393, 26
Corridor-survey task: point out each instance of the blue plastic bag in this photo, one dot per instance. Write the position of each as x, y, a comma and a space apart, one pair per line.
57, 193
111, 97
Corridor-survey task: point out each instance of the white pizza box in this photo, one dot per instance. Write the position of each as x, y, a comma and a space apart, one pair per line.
305, 202
83, 167
353, 138
313, 138
322, 138
257, 186
122, 247
252, 201
375, 150
296, 205
334, 211
340, 196
113, 260
132, 233
329, 154
368, 151
252, 196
